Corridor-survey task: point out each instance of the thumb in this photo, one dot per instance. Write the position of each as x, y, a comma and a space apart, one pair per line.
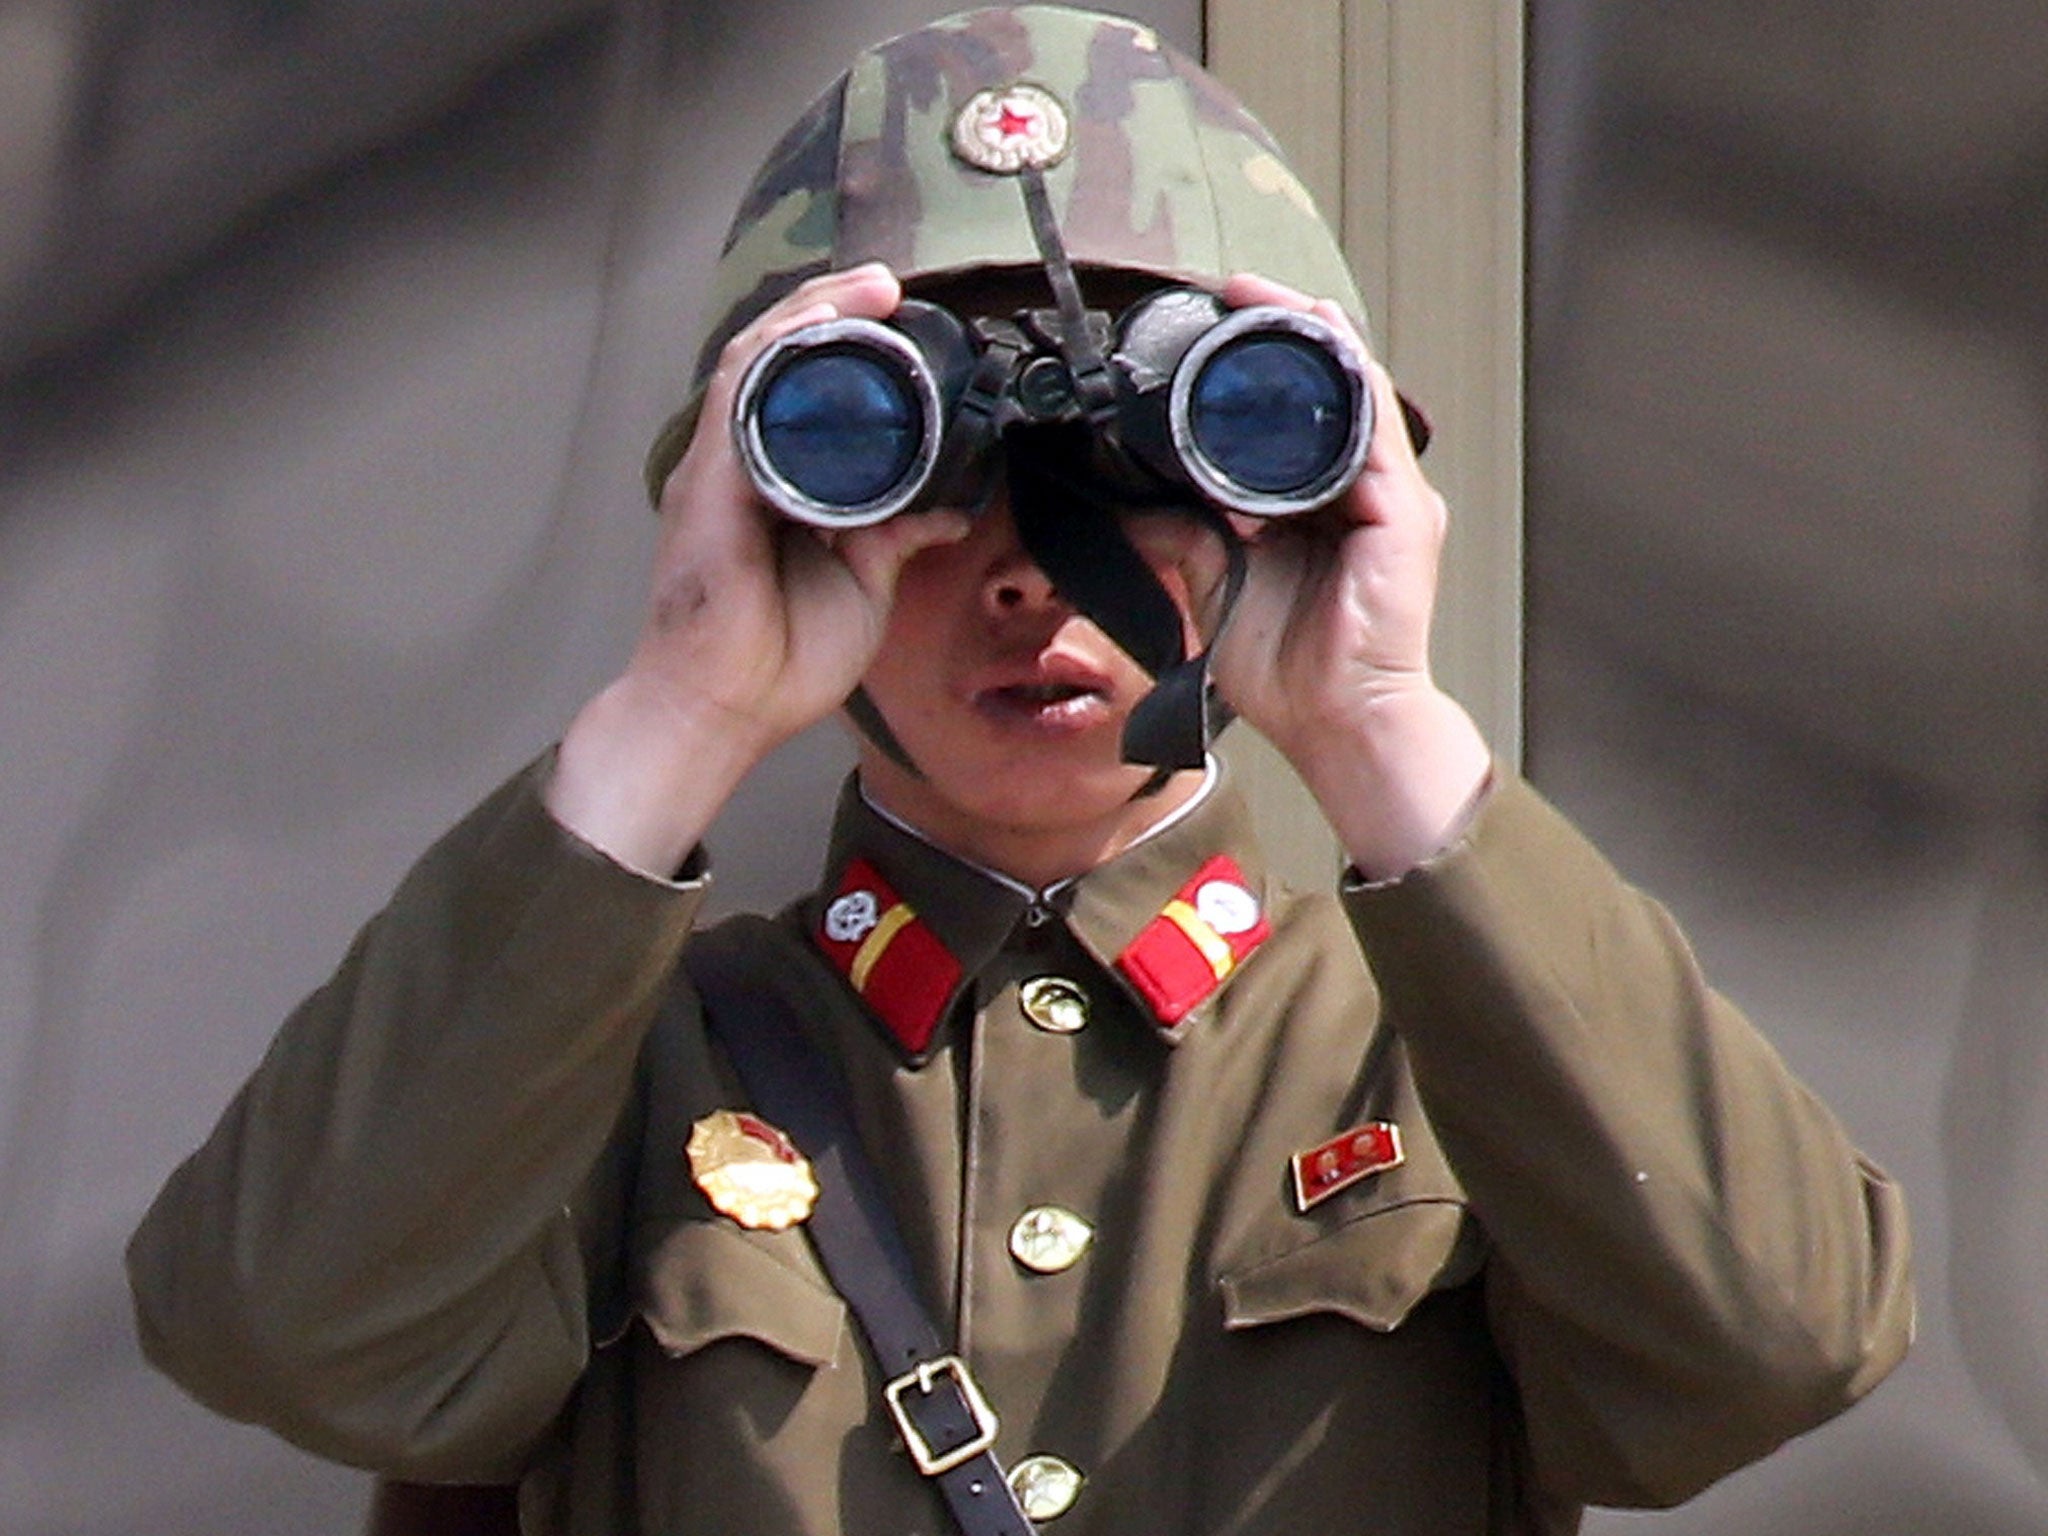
876, 555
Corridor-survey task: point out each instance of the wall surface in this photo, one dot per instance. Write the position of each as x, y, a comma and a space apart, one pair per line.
1405, 119
1788, 627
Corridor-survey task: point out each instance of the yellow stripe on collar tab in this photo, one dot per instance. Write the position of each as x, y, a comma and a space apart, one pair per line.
1200, 937
888, 955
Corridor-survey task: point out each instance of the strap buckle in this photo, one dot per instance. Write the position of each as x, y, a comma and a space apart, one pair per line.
925, 1376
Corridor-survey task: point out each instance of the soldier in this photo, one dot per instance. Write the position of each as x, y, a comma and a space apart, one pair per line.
1449, 1201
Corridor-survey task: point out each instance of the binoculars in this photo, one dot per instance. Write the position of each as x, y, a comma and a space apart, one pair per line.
1262, 410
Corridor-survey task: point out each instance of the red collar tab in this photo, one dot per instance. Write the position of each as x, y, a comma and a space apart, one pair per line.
1185, 953
888, 955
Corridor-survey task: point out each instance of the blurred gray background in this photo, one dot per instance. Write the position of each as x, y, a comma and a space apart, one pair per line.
1788, 625
330, 337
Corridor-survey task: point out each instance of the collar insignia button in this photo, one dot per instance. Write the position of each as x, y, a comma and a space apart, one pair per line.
1227, 907
1055, 1004
852, 917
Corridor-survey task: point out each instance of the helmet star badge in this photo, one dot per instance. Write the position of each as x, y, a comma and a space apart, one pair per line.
1010, 129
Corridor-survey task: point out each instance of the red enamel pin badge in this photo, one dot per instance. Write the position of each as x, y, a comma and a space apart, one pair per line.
1344, 1160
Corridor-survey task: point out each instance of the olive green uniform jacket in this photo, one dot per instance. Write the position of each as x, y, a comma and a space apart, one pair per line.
448, 1230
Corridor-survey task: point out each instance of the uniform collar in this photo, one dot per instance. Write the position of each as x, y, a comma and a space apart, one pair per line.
911, 924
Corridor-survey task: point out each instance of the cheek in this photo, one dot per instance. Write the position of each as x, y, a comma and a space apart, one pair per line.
917, 612
1190, 564
1186, 588
908, 678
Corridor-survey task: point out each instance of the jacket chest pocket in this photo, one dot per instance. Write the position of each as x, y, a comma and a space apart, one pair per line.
750, 1396
700, 1282
1373, 1270
1367, 1336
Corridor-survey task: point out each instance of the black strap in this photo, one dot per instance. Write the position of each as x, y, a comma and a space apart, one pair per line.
1069, 527
931, 1394
1094, 389
1076, 541
861, 709
1074, 537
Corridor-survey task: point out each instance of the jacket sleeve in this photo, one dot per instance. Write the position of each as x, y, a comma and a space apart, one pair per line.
1689, 1261
384, 1251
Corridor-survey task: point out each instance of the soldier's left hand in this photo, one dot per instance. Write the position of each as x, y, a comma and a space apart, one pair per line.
1327, 653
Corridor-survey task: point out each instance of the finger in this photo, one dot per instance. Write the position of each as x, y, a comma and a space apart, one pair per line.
1206, 576
869, 288
1190, 557
1242, 289
877, 554
869, 291
1392, 450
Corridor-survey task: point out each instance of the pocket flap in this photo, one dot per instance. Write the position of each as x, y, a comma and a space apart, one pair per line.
1372, 1270
705, 1281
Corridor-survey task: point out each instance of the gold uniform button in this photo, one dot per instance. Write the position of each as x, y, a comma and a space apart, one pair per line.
1046, 1486
1055, 1004
1047, 1239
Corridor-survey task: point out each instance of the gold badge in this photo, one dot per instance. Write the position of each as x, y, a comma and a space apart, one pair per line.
751, 1171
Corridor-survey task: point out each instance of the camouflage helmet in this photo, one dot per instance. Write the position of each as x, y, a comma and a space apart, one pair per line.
1151, 166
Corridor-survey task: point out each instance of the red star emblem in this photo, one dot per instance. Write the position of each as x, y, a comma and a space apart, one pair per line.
1014, 124
1004, 130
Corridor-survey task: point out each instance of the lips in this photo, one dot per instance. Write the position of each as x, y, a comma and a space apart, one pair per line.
1055, 694
1044, 693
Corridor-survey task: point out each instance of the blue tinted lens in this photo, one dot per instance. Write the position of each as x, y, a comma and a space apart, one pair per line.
843, 427
1271, 412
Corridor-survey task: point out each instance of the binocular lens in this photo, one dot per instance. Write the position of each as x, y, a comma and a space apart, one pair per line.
1262, 410
842, 426
1272, 412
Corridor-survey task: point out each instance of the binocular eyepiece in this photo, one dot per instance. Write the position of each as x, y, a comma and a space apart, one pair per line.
1262, 410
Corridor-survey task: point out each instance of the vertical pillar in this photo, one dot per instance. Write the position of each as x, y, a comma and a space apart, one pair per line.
1405, 119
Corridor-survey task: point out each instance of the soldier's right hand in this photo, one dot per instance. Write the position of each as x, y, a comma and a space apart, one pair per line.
755, 627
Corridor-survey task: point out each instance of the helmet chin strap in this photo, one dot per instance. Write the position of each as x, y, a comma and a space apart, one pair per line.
1066, 514
869, 721
1067, 521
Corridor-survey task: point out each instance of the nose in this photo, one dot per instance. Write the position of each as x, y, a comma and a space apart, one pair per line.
1014, 586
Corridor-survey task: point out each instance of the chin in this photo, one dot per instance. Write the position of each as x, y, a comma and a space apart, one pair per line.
1023, 794
1046, 802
